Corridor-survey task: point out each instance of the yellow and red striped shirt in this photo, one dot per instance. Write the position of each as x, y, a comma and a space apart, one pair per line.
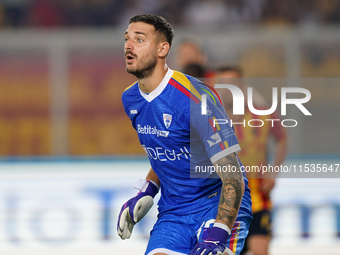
254, 145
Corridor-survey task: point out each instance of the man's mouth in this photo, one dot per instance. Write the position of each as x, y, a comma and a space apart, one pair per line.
129, 58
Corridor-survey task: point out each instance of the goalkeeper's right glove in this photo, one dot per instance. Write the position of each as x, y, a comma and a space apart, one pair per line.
136, 208
213, 241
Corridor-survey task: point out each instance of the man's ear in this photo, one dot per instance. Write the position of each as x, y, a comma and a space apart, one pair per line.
163, 49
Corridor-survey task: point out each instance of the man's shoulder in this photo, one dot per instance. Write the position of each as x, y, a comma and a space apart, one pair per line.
185, 79
130, 92
131, 88
187, 84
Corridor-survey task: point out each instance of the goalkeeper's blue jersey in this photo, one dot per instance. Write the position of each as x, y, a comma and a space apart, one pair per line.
182, 143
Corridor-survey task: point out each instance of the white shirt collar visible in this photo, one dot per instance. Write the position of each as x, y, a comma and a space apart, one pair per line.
156, 92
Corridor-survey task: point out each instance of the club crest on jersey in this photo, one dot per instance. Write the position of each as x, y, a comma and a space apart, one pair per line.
167, 118
214, 139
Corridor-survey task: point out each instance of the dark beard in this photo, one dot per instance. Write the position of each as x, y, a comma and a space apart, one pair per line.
145, 71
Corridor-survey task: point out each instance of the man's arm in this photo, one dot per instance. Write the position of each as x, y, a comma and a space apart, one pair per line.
152, 176
215, 237
268, 182
280, 151
232, 190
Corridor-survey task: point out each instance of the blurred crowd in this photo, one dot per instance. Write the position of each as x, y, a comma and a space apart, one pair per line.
114, 13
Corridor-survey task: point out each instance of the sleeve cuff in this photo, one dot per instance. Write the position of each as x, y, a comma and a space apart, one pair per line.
227, 151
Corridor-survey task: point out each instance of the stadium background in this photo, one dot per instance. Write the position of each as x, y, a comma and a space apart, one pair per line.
69, 155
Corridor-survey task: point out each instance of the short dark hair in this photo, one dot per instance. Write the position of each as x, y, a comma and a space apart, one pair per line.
160, 24
231, 68
195, 70
193, 41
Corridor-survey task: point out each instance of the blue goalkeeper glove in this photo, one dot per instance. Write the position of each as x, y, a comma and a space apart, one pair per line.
136, 208
214, 241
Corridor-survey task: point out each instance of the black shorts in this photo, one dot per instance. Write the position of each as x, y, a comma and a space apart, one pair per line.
260, 225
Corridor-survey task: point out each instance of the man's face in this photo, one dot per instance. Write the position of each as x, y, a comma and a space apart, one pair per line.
188, 53
140, 49
229, 193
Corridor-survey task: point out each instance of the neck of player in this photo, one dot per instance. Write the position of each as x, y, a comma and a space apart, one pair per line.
151, 82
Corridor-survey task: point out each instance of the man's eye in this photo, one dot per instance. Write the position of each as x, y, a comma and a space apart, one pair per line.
140, 40
125, 39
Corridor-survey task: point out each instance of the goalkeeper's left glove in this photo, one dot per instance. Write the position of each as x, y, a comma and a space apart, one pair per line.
214, 241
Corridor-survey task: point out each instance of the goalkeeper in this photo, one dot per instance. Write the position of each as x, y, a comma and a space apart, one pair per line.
200, 213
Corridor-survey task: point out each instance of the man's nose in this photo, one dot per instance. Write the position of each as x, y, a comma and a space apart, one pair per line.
128, 45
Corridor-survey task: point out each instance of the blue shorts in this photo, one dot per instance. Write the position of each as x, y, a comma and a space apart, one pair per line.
177, 235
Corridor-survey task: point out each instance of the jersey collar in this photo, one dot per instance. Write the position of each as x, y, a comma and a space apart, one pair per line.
155, 93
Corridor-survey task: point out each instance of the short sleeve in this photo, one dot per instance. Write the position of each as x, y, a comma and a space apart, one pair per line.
213, 129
